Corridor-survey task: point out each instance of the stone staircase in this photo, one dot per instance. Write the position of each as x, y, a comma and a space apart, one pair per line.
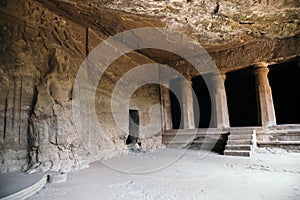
241, 143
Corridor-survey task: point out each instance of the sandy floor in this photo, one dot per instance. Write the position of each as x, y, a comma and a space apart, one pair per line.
157, 176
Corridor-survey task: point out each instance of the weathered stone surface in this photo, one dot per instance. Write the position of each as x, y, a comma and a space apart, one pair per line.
57, 177
12, 161
39, 49
44, 42
43, 52
220, 21
237, 35
152, 143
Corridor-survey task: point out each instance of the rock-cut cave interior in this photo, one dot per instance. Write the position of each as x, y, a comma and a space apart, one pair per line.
150, 99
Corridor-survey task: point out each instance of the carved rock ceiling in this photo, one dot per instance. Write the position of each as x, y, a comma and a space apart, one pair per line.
219, 26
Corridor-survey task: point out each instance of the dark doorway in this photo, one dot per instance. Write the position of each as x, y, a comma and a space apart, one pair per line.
241, 98
176, 104
133, 127
204, 103
285, 81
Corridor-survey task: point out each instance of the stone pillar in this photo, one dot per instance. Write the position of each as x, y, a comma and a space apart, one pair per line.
266, 109
187, 104
220, 116
167, 115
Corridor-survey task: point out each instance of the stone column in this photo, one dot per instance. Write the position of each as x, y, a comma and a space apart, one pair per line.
266, 109
167, 115
220, 117
187, 104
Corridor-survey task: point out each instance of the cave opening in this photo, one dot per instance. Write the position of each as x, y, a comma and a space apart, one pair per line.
202, 98
284, 79
176, 104
241, 98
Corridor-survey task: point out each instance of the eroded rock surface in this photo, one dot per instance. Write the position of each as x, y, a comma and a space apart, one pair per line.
44, 42
41, 54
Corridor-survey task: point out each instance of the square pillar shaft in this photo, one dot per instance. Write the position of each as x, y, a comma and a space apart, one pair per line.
167, 115
187, 104
266, 111
220, 114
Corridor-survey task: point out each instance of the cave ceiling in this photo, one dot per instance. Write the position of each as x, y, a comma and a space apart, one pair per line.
236, 33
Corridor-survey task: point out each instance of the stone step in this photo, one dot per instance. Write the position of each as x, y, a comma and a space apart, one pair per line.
239, 147
241, 132
177, 145
182, 140
278, 142
286, 127
177, 142
239, 142
286, 131
197, 131
188, 139
193, 142
281, 136
193, 133
192, 136
217, 147
240, 137
237, 153
208, 140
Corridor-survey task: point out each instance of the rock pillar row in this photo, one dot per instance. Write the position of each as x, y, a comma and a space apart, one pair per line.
187, 103
266, 111
167, 115
220, 117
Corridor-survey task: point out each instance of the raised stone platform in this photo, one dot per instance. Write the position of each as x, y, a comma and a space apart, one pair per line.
204, 139
283, 136
239, 141
20, 185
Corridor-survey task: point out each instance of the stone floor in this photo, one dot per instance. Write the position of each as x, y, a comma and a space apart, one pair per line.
176, 174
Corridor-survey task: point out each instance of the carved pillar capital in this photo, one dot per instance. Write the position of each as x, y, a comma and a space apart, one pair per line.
223, 76
260, 70
261, 65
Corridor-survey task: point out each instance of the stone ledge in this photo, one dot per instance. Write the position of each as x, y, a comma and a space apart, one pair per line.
278, 142
29, 191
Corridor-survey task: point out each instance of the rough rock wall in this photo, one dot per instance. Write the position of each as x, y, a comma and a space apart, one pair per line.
39, 59
17, 91
144, 99
43, 43
41, 53
15, 108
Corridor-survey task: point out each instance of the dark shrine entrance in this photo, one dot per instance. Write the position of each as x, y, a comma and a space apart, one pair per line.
241, 98
204, 101
284, 80
176, 104
133, 127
